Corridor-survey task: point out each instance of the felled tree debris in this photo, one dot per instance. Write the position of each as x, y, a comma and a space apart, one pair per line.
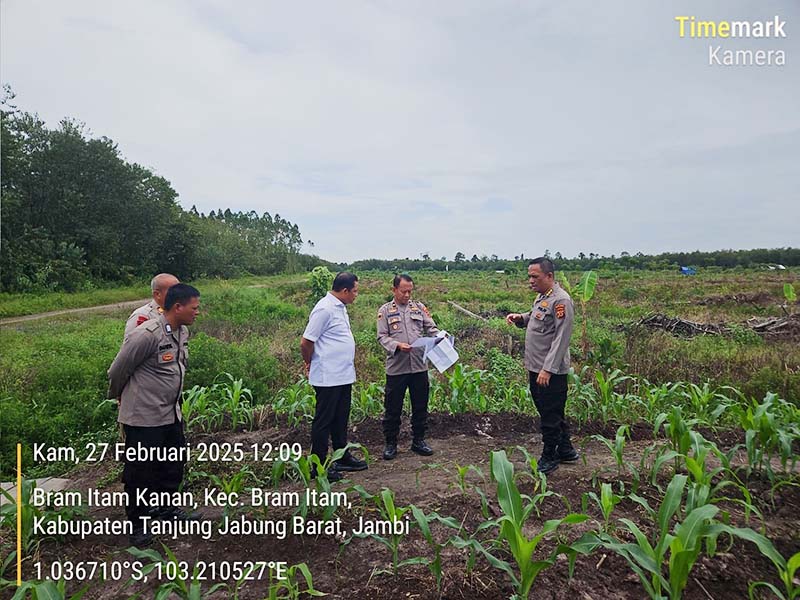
776, 326
755, 298
679, 326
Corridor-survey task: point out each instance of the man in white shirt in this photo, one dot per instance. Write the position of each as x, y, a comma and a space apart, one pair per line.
329, 350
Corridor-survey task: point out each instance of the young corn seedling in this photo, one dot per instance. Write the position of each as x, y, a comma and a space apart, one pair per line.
315, 474
786, 572
461, 476
296, 403
616, 447
611, 404
606, 502
390, 512
678, 430
707, 405
513, 530
181, 584
289, 587
424, 522
771, 429
674, 552
229, 485
46, 590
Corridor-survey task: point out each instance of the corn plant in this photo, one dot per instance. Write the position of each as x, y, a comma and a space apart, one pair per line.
464, 383
583, 292
183, 586
771, 428
230, 485
389, 511
424, 522
208, 407
296, 403
786, 573
289, 587
29, 513
617, 446
701, 488
611, 403
653, 399
368, 402
513, 526
677, 551
706, 404
606, 503
677, 429
47, 590
314, 474
461, 476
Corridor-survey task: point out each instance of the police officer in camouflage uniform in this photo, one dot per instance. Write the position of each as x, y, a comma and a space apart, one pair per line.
158, 286
148, 375
549, 327
400, 323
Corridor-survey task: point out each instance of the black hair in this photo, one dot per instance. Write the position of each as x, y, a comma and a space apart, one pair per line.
545, 264
180, 293
402, 277
344, 281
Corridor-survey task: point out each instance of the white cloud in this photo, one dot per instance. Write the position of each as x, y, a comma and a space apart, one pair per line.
380, 126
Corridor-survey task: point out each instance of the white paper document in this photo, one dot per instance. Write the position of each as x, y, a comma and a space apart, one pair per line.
439, 350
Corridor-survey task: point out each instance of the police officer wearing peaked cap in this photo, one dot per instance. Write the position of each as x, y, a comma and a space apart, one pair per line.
547, 360
401, 322
158, 286
148, 374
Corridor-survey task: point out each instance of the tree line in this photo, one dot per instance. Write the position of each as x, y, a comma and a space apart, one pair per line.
725, 259
75, 214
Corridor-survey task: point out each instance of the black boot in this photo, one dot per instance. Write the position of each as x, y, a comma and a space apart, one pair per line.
348, 462
549, 461
566, 452
390, 451
420, 447
139, 538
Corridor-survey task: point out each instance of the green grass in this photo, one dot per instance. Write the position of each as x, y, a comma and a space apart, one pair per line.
53, 372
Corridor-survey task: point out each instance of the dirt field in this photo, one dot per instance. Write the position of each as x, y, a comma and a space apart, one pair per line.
361, 568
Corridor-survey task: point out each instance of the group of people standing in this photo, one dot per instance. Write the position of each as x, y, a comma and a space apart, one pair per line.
328, 350
148, 373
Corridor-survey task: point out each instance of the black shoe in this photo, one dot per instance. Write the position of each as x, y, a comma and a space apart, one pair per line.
549, 461
139, 538
331, 474
421, 448
178, 514
390, 451
567, 454
349, 463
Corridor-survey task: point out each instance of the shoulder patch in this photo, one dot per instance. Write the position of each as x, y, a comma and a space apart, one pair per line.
561, 311
141, 319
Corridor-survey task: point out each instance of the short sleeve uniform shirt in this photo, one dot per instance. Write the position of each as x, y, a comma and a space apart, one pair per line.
332, 362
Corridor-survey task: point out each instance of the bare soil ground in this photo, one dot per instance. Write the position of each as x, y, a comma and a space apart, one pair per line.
361, 569
130, 304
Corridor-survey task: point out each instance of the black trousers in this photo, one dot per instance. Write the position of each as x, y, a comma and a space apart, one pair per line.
330, 419
154, 475
396, 385
550, 402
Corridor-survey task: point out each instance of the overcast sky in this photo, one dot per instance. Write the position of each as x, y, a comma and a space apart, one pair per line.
395, 128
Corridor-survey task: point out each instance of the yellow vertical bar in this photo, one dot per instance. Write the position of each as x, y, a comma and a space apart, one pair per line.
19, 514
